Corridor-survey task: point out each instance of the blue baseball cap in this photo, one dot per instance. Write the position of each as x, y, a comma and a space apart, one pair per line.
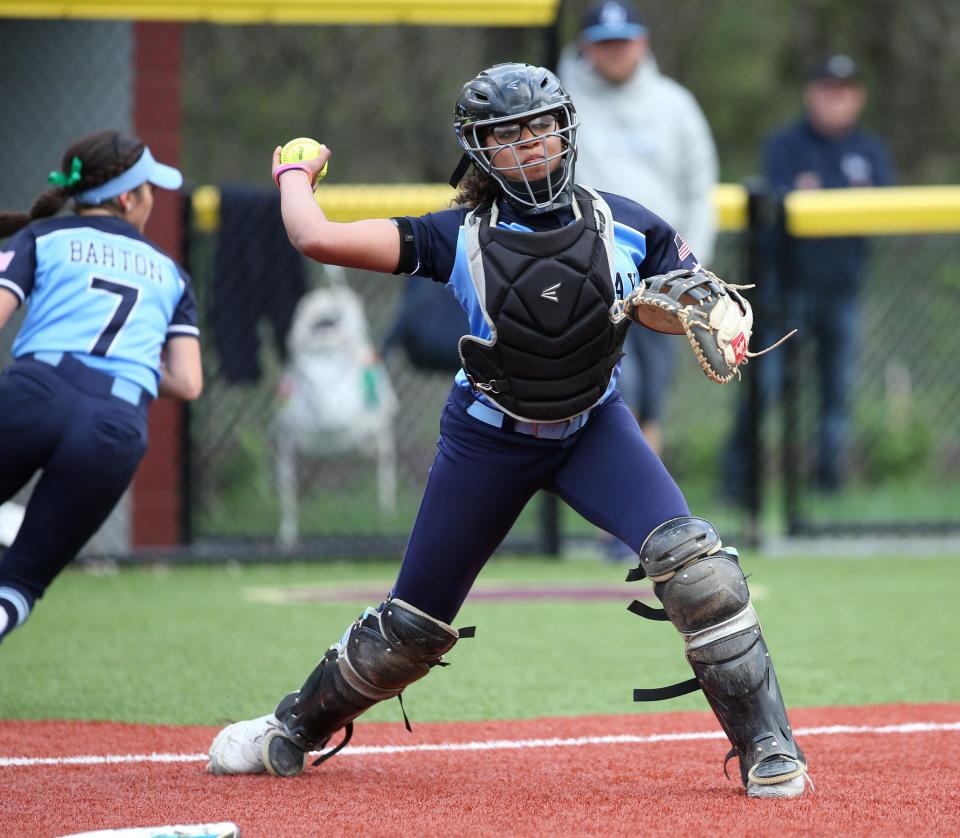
839, 69
612, 20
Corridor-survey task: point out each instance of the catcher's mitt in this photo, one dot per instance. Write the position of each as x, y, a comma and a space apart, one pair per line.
714, 316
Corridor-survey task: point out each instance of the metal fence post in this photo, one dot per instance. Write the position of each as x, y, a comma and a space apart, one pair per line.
551, 40
186, 436
791, 449
757, 235
550, 531
550, 535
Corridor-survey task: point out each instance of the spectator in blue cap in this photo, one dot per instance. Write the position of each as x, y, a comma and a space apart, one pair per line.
824, 149
643, 135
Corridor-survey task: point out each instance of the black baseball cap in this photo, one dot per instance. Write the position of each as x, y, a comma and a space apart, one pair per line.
611, 20
837, 68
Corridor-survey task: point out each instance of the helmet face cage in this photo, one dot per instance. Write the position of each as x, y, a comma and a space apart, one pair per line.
502, 163
510, 93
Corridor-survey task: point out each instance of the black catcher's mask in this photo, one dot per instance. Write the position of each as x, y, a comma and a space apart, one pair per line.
511, 93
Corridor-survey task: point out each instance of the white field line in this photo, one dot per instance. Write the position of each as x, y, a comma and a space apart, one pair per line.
495, 744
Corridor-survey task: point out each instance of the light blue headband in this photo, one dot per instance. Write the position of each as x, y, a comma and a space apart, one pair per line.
144, 170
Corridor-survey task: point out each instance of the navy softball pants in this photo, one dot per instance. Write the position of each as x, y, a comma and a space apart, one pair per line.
483, 477
64, 422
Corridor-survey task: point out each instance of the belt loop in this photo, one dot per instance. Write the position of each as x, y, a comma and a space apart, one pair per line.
485, 414
52, 359
127, 391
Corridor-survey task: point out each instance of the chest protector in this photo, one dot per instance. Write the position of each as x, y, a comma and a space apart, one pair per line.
549, 301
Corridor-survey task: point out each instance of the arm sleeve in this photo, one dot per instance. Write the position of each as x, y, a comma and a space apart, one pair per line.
434, 246
407, 263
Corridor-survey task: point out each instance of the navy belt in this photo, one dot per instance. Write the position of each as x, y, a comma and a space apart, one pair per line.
540, 430
89, 380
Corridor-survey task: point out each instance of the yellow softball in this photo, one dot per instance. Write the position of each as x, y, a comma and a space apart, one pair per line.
303, 148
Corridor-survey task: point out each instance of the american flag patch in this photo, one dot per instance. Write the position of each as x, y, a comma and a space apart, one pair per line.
683, 249
6, 257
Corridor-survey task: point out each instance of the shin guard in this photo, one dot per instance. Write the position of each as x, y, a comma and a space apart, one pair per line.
379, 655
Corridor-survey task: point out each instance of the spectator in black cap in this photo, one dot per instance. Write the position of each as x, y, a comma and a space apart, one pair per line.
824, 149
643, 135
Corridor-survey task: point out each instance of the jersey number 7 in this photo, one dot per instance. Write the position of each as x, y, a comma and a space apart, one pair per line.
127, 301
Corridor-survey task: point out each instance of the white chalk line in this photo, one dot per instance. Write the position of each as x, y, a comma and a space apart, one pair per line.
494, 744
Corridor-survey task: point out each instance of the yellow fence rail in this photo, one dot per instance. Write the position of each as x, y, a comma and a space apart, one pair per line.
414, 12
873, 212
354, 202
810, 213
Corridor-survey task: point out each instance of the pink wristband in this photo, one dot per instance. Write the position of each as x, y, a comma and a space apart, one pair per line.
286, 167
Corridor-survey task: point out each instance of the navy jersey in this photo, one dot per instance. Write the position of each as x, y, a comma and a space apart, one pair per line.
97, 289
644, 245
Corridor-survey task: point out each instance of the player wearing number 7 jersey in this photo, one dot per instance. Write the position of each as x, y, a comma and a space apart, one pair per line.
110, 323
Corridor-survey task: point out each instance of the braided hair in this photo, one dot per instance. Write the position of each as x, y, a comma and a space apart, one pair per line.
103, 156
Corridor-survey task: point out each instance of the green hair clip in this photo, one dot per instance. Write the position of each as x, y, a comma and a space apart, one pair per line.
62, 180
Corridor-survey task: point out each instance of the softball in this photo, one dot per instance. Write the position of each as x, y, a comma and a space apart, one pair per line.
302, 148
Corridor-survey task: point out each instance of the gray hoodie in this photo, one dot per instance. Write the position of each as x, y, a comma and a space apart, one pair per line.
648, 140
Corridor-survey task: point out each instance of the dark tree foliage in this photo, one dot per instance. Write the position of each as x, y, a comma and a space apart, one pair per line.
381, 97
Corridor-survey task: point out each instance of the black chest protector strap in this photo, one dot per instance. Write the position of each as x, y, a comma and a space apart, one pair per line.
549, 300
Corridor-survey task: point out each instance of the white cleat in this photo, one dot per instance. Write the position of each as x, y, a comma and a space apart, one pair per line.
238, 748
783, 791
779, 776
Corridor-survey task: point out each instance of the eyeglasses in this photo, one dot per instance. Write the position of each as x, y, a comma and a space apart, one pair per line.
510, 132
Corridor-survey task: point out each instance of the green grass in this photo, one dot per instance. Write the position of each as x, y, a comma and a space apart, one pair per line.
914, 499
330, 511
188, 644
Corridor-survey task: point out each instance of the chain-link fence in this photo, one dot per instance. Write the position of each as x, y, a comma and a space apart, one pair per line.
899, 468
358, 496
901, 460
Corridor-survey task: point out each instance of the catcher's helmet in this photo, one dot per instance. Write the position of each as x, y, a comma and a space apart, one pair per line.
506, 93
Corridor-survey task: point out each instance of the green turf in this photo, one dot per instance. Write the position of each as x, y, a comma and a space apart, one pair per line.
188, 645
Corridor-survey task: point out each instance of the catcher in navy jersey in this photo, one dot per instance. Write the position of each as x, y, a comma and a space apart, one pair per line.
101, 303
546, 271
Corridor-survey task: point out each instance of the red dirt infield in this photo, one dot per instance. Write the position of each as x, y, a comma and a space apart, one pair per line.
880, 770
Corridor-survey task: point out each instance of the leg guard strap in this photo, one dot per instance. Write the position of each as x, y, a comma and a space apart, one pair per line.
691, 685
